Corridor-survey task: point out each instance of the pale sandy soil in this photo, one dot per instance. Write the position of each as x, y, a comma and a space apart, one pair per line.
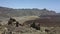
53, 30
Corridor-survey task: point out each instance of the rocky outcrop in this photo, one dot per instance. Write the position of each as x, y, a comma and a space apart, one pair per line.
30, 26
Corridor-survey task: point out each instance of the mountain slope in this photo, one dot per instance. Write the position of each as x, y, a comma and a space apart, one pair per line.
7, 12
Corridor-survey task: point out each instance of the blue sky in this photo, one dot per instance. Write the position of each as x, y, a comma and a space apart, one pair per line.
48, 4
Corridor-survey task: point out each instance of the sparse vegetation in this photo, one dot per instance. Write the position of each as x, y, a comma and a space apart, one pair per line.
27, 21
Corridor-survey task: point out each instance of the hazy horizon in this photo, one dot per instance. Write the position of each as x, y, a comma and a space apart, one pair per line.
40, 4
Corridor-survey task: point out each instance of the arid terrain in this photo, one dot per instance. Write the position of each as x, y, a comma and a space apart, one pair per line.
24, 27
29, 21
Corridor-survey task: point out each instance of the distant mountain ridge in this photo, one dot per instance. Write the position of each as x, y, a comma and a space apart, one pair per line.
7, 12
